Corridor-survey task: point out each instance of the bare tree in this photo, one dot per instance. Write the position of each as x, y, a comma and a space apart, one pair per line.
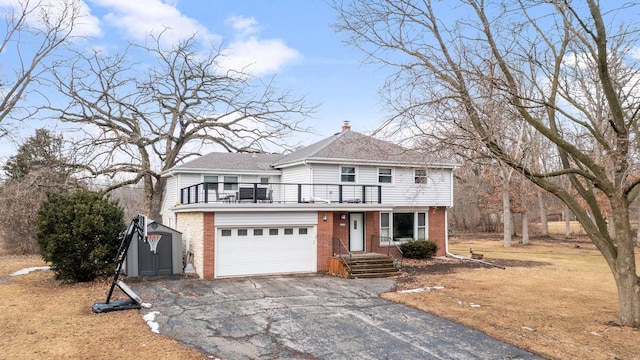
546, 46
142, 119
34, 31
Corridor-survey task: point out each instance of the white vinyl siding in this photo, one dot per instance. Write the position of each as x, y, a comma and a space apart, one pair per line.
404, 192
239, 219
170, 200
290, 177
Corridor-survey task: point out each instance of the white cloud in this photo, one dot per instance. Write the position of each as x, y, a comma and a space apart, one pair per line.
137, 19
243, 25
140, 18
85, 24
258, 57
250, 54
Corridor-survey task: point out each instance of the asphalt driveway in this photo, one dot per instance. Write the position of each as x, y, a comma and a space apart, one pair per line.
308, 317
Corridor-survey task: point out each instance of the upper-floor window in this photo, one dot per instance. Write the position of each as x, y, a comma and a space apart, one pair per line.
420, 176
347, 174
231, 183
212, 182
385, 176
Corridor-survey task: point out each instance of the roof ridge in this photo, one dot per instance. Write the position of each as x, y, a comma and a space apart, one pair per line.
330, 141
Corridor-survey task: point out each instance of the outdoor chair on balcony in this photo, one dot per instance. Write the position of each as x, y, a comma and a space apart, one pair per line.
244, 194
264, 195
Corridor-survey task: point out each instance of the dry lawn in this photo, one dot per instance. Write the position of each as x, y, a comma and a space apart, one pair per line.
555, 298
44, 319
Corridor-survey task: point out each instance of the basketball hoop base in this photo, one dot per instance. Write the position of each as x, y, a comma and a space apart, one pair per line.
116, 305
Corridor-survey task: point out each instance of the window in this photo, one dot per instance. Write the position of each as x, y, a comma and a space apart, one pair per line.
264, 180
348, 174
231, 183
385, 176
302, 231
403, 226
273, 232
422, 226
242, 232
211, 187
212, 182
257, 232
226, 232
384, 227
420, 176
288, 231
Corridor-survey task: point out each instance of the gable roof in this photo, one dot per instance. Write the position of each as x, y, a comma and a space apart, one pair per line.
250, 162
352, 147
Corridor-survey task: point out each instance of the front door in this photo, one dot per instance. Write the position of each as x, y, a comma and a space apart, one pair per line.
356, 232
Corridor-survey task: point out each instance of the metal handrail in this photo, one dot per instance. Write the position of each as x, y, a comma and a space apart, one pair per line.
282, 193
390, 241
348, 264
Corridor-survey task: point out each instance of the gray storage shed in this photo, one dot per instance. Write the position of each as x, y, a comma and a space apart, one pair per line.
167, 260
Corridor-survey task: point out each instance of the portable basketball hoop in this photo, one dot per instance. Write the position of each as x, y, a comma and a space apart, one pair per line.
153, 240
137, 228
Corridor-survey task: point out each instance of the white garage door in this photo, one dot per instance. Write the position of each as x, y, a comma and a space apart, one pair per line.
268, 250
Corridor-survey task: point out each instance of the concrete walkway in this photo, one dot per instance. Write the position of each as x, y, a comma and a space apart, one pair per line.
308, 317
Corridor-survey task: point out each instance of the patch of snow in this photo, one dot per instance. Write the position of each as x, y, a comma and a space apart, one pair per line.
145, 305
30, 270
475, 305
422, 289
150, 319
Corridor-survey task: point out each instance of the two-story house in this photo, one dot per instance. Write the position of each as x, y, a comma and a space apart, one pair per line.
247, 214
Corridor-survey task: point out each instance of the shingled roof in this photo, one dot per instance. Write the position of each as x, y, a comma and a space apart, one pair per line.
344, 147
351, 146
231, 161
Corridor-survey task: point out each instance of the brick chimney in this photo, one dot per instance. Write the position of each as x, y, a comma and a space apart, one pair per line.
346, 126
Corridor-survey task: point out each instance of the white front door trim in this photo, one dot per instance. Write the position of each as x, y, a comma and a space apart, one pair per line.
356, 232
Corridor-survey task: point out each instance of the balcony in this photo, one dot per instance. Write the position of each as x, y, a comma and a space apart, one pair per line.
227, 193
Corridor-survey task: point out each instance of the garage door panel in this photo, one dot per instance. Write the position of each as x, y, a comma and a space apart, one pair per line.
266, 254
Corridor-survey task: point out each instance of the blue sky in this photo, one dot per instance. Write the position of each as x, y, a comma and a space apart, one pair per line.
290, 39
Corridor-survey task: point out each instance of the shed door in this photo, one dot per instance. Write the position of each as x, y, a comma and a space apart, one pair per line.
268, 250
159, 263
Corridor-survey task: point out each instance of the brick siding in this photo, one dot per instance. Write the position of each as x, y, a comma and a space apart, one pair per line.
437, 228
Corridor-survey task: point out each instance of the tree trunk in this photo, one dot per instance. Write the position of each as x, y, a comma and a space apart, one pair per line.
514, 231
611, 226
506, 216
567, 224
638, 229
525, 228
623, 266
544, 226
155, 199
